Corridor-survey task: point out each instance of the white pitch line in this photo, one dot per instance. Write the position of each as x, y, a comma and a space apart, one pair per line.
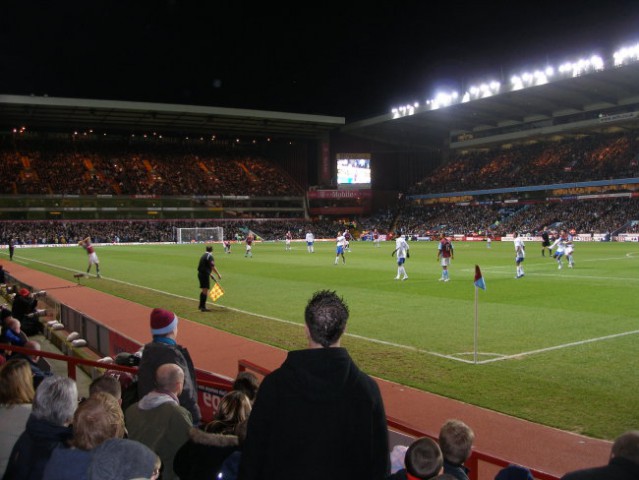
372, 340
288, 322
559, 347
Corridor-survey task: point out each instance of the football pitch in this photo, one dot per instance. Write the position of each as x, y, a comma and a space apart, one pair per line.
558, 346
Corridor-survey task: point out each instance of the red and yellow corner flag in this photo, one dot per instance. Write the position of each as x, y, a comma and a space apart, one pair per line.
479, 279
216, 292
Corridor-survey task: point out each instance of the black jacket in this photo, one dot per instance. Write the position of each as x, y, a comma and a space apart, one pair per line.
617, 469
317, 417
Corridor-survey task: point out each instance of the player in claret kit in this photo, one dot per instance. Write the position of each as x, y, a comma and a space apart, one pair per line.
249, 245
289, 237
445, 253
93, 257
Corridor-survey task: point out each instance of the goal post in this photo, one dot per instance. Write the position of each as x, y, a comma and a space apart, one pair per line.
199, 235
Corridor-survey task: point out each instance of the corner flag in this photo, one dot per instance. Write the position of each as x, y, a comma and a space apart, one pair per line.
216, 292
479, 280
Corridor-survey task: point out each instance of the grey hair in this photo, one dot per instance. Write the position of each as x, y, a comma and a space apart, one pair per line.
56, 400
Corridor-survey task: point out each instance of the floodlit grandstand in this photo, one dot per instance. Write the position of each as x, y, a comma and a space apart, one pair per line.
547, 150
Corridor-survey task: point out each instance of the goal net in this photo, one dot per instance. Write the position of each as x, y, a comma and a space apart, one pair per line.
197, 235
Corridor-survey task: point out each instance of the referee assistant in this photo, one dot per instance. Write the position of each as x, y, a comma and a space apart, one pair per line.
205, 270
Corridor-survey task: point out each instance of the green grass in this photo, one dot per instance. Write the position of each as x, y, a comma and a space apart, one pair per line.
575, 380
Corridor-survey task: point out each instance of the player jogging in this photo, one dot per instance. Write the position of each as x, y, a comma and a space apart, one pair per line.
348, 237
520, 254
93, 257
289, 237
401, 248
249, 246
445, 253
570, 248
560, 243
339, 250
376, 238
310, 242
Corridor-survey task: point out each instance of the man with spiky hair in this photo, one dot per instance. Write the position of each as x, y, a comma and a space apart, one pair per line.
318, 416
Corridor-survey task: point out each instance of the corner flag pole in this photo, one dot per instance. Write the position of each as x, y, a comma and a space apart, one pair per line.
476, 323
479, 283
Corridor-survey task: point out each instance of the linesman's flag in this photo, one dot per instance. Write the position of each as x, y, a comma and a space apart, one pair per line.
479, 279
216, 292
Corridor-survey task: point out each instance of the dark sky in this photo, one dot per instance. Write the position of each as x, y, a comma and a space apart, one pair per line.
349, 58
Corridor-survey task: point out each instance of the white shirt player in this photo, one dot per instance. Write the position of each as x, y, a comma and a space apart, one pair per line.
401, 247
310, 241
520, 248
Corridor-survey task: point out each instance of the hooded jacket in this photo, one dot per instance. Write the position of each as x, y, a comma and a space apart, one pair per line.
316, 417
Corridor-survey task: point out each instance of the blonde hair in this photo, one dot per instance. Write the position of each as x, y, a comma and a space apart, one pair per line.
97, 419
234, 408
16, 382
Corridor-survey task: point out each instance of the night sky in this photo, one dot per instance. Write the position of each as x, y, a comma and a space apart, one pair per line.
351, 59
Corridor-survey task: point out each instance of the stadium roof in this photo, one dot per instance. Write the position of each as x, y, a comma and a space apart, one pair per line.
598, 92
73, 114
525, 110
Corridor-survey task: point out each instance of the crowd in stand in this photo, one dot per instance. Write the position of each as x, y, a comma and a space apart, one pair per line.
596, 157
603, 216
92, 168
317, 416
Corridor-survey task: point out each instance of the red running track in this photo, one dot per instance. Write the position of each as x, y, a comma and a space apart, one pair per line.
536, 446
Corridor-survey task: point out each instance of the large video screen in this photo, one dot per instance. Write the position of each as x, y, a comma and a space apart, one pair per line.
353, 169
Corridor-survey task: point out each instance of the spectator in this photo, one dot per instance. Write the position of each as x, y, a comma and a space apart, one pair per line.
38, 373
55, 402
23, 308
317, 416
623, 464
12, 333
16, 396
423, 461
158, 421
456, 442
164, 349
231, 466
247, 383
514, 472
96, 420
118, 459
202, 456
107, 384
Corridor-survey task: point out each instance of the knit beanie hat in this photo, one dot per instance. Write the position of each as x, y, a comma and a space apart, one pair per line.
514, 472
121, 459
23, 292
163, 321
